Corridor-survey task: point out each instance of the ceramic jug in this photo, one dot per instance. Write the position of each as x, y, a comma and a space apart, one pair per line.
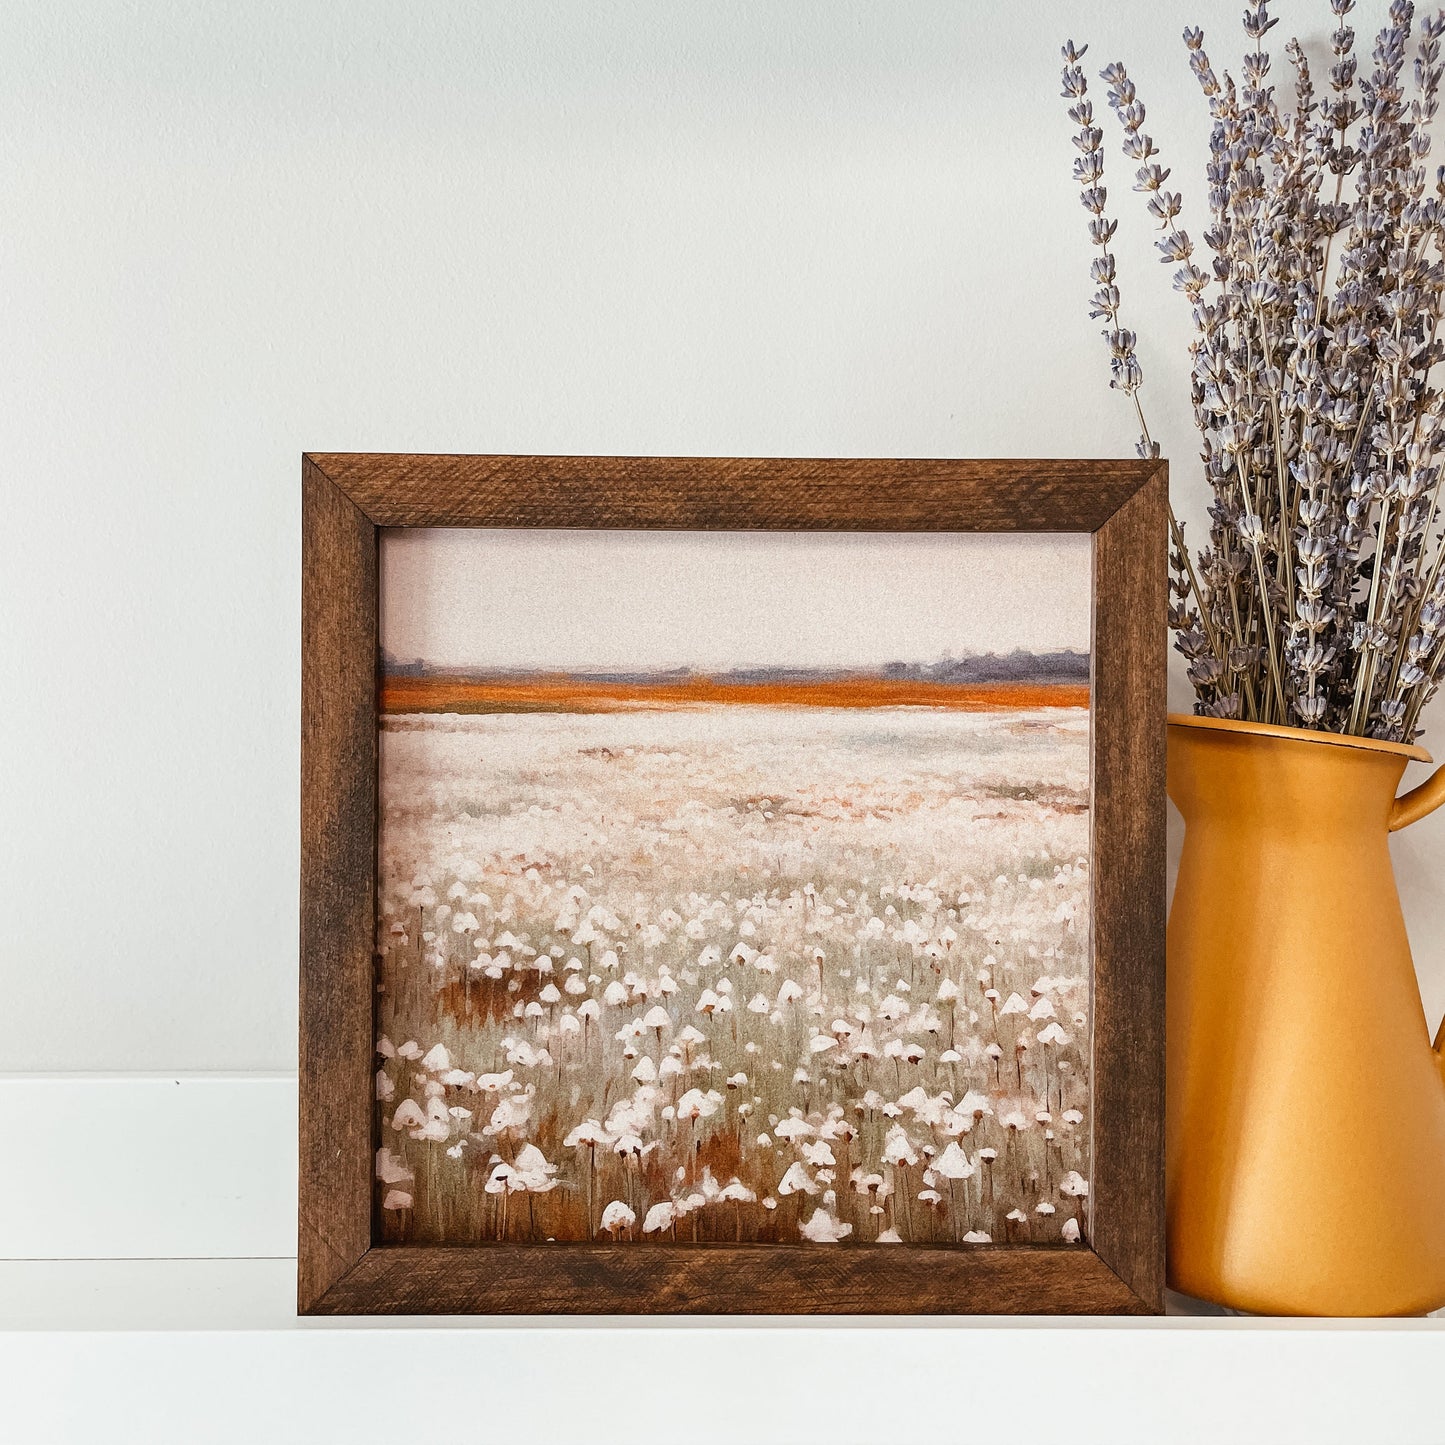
1306, 1104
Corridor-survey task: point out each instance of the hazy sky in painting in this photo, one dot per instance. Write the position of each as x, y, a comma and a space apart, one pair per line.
575, 600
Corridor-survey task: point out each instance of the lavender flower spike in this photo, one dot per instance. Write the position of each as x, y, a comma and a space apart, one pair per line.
1317, 295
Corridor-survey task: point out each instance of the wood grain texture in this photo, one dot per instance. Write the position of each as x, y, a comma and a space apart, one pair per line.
1128, 865
735, 493
338, 869
346, 498
729, 1279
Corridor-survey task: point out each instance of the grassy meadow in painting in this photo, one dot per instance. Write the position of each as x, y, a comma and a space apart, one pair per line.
795, 956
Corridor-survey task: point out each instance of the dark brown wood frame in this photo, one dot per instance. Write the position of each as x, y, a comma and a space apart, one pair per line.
345, 500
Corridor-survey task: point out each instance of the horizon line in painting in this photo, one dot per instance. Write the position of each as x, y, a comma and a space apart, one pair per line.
984, 682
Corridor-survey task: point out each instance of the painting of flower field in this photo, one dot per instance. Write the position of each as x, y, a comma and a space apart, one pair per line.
699, 925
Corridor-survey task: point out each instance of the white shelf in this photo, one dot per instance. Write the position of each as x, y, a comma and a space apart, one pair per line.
201, 1351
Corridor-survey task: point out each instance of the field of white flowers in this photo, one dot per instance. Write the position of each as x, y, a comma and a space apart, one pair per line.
734, 973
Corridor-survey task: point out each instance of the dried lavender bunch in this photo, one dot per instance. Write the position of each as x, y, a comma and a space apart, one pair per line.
1318, 600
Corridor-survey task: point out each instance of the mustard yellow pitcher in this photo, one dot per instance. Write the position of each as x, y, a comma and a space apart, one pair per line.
1306, 1105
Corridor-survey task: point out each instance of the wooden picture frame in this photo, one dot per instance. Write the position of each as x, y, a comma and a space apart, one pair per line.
346, 499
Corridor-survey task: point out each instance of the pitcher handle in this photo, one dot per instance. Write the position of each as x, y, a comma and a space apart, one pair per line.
1414, 805
1410, 808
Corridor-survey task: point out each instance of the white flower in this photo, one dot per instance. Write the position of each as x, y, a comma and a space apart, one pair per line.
793, 1128
898, 1148
953, 1163
408, 1115
533, 1169
391, 1169
797, 1180
660, 1216
822, 1228
617, 1217
695, 1105
589, 1133
513, 1112
502, 1180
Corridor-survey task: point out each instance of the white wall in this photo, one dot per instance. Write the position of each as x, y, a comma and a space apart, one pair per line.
229, 234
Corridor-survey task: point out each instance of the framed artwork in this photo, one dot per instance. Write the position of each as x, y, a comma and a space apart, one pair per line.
731, 885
